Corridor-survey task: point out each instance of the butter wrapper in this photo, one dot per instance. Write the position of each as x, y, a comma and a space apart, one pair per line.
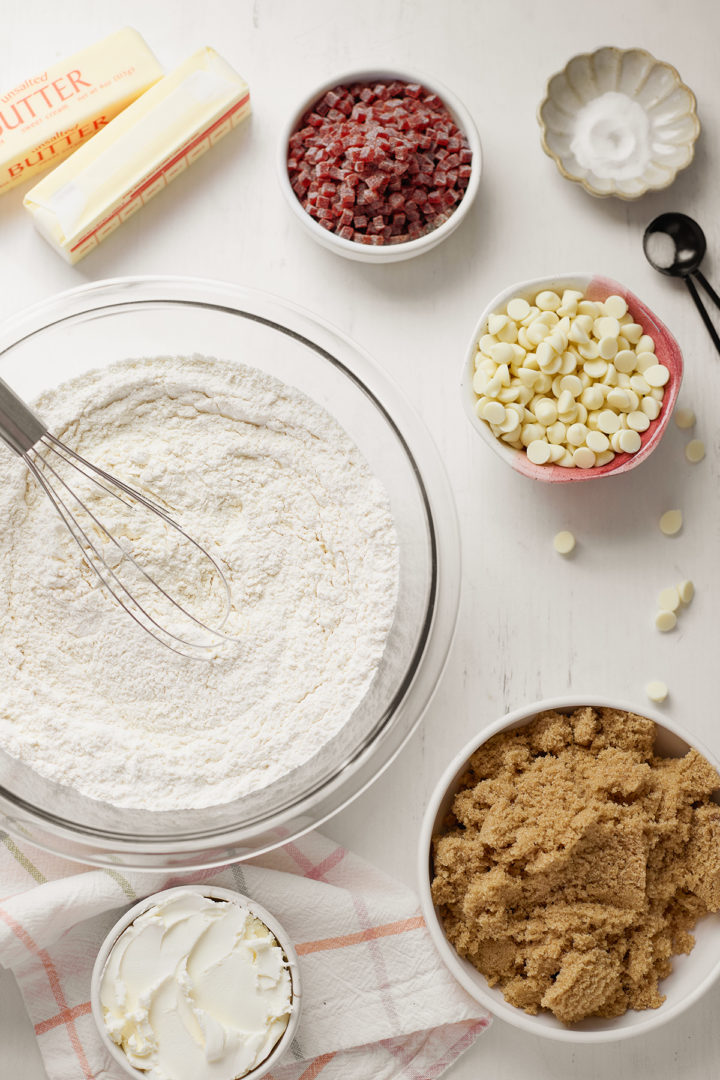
53, 112
138, 154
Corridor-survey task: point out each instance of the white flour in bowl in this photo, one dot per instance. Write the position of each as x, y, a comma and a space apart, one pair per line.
276, 489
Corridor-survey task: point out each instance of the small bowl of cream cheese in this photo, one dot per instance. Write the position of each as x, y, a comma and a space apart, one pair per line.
196, 982
619, 122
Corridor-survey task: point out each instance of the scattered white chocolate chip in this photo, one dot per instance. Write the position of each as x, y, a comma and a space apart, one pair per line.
695, 451
575, 369
686, 591
657, 691
671, 522
684, 418
564, 542
666, 620
669, 599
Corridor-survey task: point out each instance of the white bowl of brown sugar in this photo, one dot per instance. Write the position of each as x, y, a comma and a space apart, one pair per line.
569, 869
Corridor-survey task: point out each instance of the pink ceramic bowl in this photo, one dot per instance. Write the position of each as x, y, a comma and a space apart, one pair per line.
595, 287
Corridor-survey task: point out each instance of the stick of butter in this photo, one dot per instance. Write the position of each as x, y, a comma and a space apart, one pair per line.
52, 112
138, 154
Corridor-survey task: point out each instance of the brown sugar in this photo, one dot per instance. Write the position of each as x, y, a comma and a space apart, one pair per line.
575, 862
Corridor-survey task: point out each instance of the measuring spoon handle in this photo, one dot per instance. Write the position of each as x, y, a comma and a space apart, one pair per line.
703, 313
707, 287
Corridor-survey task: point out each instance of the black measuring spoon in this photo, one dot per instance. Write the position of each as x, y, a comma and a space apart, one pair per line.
674, 244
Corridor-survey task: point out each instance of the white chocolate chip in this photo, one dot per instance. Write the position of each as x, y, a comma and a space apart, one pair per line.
536, 332
686, 591
592, 398
539, 451
695, 451
666, 620
669, 599
572, 384
640, 384
547, 301
502, 353
597, 441
610, 378
638, 420
657, 691
576, 434
645, 360
509, 332
546, 412
564, 542
518, 308
584, 457
629, 441
606, 326
596, 369
671, 522
558, 341
633, 332
650, 407
625, 361
577, 334
615, 306
531, 433
608, 347
494, 412
657, 375
684, 418
619, 400
608, 422
496, 322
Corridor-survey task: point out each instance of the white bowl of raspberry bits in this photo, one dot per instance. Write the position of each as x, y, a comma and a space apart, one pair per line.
380, 165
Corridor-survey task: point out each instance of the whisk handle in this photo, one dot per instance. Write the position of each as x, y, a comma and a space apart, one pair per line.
19, 426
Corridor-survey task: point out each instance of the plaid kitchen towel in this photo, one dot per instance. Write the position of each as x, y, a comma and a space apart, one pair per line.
377, 1001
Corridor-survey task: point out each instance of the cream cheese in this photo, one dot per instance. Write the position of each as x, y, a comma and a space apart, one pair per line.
196, 989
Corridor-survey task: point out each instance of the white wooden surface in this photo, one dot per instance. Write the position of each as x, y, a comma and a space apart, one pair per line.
531, 624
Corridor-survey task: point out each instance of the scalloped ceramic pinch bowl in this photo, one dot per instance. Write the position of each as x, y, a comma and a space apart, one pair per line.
595, 287
692, 975
619, 122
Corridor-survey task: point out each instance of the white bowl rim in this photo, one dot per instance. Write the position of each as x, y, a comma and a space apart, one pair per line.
215, 892
579, 280
382, 252
516, 1016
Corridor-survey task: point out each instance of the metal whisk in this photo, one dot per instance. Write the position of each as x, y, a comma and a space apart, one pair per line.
47, 459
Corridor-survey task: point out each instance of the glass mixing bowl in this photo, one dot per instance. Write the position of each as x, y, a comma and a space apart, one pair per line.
104, 322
